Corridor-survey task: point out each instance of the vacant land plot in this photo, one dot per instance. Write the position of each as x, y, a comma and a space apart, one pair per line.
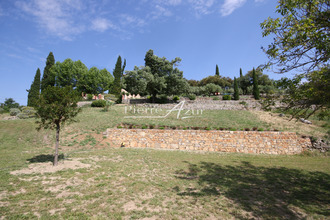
95, 181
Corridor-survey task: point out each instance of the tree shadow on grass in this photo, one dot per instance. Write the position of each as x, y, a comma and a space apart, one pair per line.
267, 193
42, 158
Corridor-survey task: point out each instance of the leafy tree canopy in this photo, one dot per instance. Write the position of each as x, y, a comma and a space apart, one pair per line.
56, 107
159, 76
302, 35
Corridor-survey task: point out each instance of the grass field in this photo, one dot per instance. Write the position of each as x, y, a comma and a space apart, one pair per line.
124, 183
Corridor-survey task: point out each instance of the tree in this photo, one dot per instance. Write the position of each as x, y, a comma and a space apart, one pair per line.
240, 72
118, 73
256, 94
9, 103
218, 80
246, 81
217, 70
69, 73
95, 81
48, 78
309, 94
302, 39
159, 77
236, 91
34, 91
211, 89
56, 107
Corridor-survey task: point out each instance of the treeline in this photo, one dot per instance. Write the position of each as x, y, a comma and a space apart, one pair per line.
75, 74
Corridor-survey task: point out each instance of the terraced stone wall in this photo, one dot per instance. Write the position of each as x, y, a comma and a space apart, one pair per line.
255, 142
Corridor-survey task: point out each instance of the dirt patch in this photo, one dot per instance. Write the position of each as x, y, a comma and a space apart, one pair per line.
49, 168
285, 124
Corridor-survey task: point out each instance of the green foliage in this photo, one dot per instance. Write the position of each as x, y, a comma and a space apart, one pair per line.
34, 91
216, 98
77, 75
236, 91
56, 107
14, 111
8, 104
308, 97
301, 35
191, 96
240, 72
256, 93
118, 73
246, 82
157, 77
48, 78
176, 98
217, 80
27, 112
108, 104
226, 97
211, 89
99, 103
89, 97
217, 73
1, 110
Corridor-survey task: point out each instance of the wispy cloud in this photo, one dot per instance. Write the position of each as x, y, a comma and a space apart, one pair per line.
102, 24
202, 7
230, 6
56, 17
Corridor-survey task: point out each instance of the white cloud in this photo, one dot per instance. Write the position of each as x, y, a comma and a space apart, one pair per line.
102, 24
202, 7
57, 17
230, 6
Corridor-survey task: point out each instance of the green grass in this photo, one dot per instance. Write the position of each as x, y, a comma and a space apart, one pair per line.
94, 118
124, 183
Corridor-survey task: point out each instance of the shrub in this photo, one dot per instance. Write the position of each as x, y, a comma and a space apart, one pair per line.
226, 97
99, 103
108, 104
89, 96
162, 99
14, 111
216, 98
191, 96
176, 98
1, 110
27, 112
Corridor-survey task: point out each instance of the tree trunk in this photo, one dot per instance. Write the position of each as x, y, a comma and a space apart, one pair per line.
56, 145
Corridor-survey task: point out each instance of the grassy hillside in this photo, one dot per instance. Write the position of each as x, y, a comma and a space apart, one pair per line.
96, 181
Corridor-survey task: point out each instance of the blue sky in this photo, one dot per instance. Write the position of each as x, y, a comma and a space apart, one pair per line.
202, 33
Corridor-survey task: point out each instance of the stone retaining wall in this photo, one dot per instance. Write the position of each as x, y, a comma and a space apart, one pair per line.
200, 140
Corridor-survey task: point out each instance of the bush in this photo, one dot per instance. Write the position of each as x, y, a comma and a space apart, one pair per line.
216, 98
99, 103
27, 112
226, 97
14, 111
191, 96
1, 110
176, 98
89, 96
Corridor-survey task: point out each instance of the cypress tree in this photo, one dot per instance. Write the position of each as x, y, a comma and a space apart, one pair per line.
255, 85
118, 73
236, 92
240, 73
34, 91
217, 70
48, 78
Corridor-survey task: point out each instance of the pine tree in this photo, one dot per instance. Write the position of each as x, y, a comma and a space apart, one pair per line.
48, 78
34, 91
118, 73
255, 85
217, 70
236, 92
